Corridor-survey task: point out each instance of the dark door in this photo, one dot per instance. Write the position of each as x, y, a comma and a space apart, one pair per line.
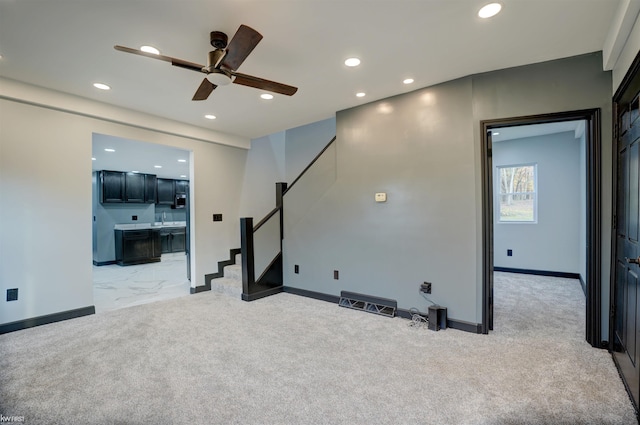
626, 344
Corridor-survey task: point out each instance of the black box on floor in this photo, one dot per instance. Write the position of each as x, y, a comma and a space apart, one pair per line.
437, 317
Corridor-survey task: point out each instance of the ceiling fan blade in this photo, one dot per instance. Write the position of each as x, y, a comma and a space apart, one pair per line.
261, 83
205, 89
173, 61
242, 43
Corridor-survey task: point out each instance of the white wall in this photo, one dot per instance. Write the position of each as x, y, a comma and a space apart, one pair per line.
304, 143
280, 157
552, 243
46, 189
265, 166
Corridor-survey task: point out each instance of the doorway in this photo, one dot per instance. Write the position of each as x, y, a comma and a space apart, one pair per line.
140, 243
591, 120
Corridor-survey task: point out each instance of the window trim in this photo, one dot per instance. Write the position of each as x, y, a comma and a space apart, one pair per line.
498, 193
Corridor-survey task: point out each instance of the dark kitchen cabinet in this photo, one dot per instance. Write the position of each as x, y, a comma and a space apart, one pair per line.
112, 187
118, 187
173, 239
137, 246
181, 187
134, 187
166, 192
172, 192
150, 188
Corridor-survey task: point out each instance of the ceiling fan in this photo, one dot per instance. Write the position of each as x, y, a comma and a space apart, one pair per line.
222, 63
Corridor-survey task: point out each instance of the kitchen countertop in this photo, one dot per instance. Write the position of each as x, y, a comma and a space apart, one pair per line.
156, 225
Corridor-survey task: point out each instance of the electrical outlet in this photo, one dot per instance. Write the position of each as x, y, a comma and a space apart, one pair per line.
134, 217
509, 253
217, 217
12, 294
336, 275
296, 269
426, 287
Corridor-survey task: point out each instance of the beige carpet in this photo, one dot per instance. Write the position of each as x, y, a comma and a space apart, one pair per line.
212, 359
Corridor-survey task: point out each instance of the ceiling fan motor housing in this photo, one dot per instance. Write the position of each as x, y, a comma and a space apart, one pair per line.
218, 39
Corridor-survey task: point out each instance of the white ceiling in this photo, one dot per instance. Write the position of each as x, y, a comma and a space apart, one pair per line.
66, 45
131, 155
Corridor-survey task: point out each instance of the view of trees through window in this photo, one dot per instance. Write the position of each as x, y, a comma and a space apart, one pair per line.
517, 193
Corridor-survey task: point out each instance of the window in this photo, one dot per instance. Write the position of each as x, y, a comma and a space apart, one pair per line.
517, 197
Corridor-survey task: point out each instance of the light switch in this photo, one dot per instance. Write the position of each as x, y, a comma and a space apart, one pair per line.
381, 197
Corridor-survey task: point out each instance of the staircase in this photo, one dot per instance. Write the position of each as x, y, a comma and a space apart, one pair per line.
231, 281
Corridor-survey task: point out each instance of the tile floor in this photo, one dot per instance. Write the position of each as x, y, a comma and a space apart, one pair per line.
117, 287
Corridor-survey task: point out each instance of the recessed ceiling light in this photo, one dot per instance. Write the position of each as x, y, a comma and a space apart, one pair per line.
183, 175
135, 171
361, 94
352, 62
101, 86
182, 160
157, 166
408, 81
210, 117
489, 10
150, 49
266, 96
109, 150
93, 159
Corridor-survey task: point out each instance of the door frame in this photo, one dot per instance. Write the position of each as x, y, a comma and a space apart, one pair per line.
593, 196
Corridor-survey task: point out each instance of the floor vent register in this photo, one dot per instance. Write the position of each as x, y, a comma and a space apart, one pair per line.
368, 303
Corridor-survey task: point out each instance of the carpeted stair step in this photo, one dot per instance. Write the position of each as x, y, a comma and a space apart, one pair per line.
224, 285
233, 271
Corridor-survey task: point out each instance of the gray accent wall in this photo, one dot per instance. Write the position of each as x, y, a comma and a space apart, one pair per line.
423, 149
552, 242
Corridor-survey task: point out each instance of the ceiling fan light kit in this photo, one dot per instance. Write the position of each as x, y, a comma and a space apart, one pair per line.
219, 78
222, 63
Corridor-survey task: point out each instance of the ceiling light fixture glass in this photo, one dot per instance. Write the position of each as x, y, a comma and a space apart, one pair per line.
489, 10
101, 86
351, 62
183, 175
157, 166
408, 81
182, 160
361, 94
210, 117
266, 96
150, 49
109, 150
